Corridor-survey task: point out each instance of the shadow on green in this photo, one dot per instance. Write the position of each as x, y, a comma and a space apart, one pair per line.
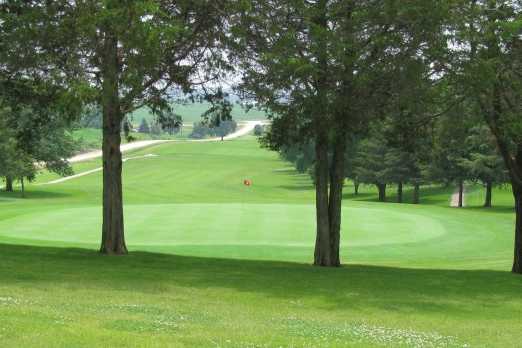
435, 195
32, 194
456, 292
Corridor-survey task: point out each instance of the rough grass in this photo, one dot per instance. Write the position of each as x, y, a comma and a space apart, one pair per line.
216, 264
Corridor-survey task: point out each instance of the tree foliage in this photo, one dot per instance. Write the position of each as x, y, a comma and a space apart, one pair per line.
32, 140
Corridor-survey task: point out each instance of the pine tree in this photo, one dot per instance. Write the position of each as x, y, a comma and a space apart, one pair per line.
484, 163
371, 164
144, 126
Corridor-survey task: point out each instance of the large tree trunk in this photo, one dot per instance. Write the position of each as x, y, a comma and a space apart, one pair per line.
382, 192
23, 186
113, 239
514, 167
336, 198
517, 192
8, 184
517, 260
356, 187
489, 189
493, 110
399, 192
416, 193
461, 193
322, 255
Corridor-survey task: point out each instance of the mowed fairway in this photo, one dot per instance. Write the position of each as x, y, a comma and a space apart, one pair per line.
214, 263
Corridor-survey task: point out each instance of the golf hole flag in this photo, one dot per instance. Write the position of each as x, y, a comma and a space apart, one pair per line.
247, 182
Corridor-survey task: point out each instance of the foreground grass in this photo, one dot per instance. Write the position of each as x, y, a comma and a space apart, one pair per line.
67, 297
216, 264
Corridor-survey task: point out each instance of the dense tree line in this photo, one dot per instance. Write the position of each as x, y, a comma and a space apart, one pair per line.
434, 153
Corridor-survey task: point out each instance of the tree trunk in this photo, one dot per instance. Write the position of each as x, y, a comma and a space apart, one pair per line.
356, 186
461, 194
322, 255
514, 167
517, 260
23, 186
113, 239
489, 189
399, 192
517, 192
416, 193
8, 184
336, 198
492, 115
382, 192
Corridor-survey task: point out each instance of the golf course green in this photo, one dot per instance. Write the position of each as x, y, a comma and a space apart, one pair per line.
215, 263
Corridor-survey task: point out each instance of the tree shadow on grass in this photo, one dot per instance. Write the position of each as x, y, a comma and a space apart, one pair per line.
498, 209
32, 194
365, 197
290, 171
455, 292
431, 195
297, 187
495, 209
299, 183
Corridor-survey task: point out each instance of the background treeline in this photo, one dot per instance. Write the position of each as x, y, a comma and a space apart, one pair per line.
438, 152
203, 130
216, 121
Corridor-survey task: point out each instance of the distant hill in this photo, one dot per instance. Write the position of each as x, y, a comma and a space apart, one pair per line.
191, 112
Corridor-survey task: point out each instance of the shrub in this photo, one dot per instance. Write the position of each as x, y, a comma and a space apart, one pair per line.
199, 131
259, 130
202, 130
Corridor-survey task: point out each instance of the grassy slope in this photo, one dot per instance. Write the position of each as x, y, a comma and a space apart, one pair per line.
234, 270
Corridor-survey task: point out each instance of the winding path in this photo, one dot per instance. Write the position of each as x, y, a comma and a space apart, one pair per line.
454, 202
242, 131
124, 148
